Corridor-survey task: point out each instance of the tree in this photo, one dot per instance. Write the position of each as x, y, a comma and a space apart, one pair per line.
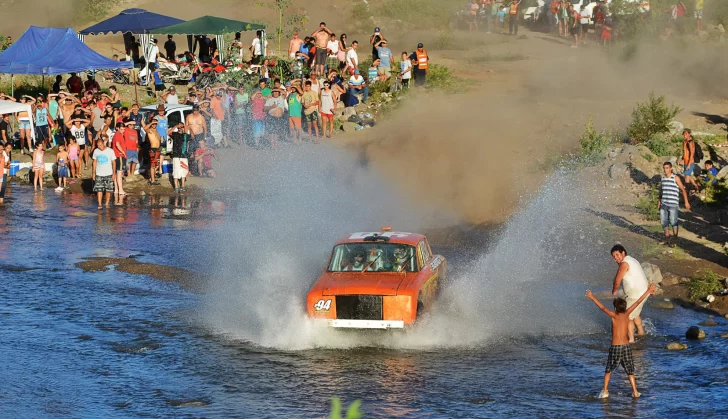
291, 23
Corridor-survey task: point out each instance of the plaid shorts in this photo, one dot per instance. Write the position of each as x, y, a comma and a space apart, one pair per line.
620, 355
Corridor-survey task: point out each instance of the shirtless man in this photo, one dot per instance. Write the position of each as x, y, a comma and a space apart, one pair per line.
294, 46
321, 39
154, 154
67, 104
196, 126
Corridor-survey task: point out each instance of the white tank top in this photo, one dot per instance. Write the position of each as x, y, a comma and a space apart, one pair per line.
634, 282
79, 134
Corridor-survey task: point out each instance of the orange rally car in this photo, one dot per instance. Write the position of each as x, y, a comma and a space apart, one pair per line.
381, 280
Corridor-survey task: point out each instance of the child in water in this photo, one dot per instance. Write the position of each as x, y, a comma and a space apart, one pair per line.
62, 164
620, 352
38, 166
73, 150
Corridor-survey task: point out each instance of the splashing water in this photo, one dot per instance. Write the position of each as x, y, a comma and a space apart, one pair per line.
269, 259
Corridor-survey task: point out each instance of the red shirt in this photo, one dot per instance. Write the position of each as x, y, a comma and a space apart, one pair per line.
118, 139
258, 108
207, 160
131, 139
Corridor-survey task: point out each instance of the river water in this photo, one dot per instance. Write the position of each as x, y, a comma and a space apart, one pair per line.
113, 344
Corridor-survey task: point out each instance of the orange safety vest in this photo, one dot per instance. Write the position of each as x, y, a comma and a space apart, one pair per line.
421, 59
514, 8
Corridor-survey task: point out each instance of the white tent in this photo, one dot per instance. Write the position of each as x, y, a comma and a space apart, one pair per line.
8, 106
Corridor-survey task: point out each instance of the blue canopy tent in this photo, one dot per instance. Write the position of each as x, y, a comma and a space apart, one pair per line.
52, 51
138, 22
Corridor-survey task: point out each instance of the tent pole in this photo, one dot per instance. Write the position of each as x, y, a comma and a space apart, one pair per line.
12, 85
136, 91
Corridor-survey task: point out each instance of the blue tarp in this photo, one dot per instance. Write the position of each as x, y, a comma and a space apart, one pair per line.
51, 51
136, 21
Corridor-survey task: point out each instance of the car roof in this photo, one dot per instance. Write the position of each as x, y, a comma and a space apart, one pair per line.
168, 107
398, 237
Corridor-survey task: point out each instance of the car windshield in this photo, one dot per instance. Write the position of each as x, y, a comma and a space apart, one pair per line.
373, 257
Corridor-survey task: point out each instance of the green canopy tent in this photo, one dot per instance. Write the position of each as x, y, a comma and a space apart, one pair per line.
211, 25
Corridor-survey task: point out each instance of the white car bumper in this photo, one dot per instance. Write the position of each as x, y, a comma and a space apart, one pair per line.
367, 324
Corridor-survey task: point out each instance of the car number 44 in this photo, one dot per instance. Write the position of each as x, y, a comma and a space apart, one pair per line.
322, 305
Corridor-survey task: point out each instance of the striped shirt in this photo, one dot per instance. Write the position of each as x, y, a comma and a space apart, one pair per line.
670, 192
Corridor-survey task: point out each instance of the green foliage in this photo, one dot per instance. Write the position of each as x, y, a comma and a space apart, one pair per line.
443, 41
287, 23
647, 205
650, 118
663, 145
440, 77
715, 195
703, 283
352, 412
648, 156
711, 139
593, 144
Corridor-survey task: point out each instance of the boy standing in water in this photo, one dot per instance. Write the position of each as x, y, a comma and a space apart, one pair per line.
620, 352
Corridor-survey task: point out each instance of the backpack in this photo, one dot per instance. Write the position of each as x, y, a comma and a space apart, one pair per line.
698, 157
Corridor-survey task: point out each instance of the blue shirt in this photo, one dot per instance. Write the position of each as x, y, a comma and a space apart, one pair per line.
385, 55
41, 117
713, 171
162, 127
157, 78
501, 16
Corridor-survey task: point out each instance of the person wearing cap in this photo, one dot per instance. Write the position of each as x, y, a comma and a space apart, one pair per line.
118, 144
374, 40
357, 85
154, 142
170, 96
131, 145
420, 62
385, 60
295, 110
688, 158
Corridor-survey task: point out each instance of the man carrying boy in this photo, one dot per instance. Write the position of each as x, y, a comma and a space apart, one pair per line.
620, 353
633, 281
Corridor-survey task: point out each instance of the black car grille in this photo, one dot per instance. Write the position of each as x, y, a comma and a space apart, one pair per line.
359, 307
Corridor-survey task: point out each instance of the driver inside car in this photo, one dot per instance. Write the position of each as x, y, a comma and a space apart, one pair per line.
357, 261
399, 260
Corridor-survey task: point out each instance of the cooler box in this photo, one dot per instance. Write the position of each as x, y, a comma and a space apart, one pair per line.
14, 167
167, 168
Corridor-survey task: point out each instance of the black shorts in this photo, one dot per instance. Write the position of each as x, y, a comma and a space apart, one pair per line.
321, 55
159, 88
82, 146
620, 355
255, 59
41, 132
120, 164
584, 28
575, 31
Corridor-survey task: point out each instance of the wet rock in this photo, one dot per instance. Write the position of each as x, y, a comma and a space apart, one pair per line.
669, 279
618, 171
664, 304
695, 333
350, 127
709, 323
652, 272
724, 335
676, 346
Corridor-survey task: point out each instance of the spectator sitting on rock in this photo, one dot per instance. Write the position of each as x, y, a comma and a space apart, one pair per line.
357, 85
711, 173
